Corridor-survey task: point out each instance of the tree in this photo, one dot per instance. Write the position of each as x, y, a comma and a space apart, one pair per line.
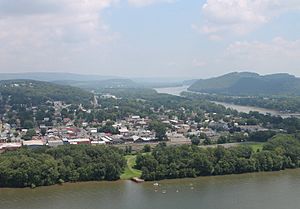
43, 131
195, 140
147, 148
28, 124
30, 133
160, 130
207, 141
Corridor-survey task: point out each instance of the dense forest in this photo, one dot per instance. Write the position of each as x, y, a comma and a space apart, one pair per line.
48, 166
280, 152
16, 92
246, 83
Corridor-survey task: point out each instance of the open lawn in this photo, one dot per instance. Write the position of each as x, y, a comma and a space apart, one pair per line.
129, 171
256, 146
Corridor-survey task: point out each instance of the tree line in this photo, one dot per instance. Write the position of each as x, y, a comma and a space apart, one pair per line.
168, 162
48, 166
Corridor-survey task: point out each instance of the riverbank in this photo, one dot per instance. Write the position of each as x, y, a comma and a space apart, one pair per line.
247, 191
159, 183
176, 91
156, 185
130, 172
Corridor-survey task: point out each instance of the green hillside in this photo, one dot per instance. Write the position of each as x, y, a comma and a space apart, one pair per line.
36, 92
100, 84
246, 83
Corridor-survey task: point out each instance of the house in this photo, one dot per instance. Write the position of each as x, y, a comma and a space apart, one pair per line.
79, 141
9, 147
135, 117
24, 130
177, 138
218, 126
97, 143
143, 139
174, 122
183, 128
108, 96
54, 141
93, 130
123, 131
66, 120
34, 143
106, 139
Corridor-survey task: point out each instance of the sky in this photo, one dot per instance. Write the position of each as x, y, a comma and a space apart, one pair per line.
150, 38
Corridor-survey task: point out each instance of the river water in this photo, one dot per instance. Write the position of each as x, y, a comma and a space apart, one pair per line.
177, 90
172, 90
277, 190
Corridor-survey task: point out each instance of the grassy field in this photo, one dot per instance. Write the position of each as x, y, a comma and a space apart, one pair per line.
256, 146
130, 172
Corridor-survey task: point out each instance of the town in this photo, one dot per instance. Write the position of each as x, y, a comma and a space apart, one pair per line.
130, 121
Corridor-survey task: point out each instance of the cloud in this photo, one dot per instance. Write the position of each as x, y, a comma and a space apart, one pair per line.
141, 3
242, 16
52, 20
35, 31
278, 54
198, 63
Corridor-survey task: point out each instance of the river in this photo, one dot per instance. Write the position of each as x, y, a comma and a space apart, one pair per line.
277, 190
177, 90
172, 90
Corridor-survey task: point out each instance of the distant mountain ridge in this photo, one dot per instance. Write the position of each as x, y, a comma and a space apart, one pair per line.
247, 83
53, 76
94, 82
38, 92
100, 84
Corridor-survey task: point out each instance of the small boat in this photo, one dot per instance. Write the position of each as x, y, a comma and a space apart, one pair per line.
137, 180
156, 184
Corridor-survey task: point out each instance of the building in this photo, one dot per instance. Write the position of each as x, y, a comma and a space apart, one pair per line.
79, 141
9, 147
34, 143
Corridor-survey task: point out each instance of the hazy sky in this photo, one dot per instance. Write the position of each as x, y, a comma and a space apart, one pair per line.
178, 38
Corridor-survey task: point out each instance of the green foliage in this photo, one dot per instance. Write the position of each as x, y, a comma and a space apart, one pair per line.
37, 92
28, 124
30, 133
130, 171
195, 140
108, 128
147, 148
282, 151
249, 84
160, 130
49, 166
261, 136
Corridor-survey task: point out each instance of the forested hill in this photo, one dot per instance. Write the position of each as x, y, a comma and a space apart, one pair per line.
100, 84
246, 83
36, 92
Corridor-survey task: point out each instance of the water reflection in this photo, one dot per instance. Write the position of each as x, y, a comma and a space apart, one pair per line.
250, 191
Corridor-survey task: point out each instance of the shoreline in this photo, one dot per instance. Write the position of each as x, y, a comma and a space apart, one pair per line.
92, 183
176, 91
